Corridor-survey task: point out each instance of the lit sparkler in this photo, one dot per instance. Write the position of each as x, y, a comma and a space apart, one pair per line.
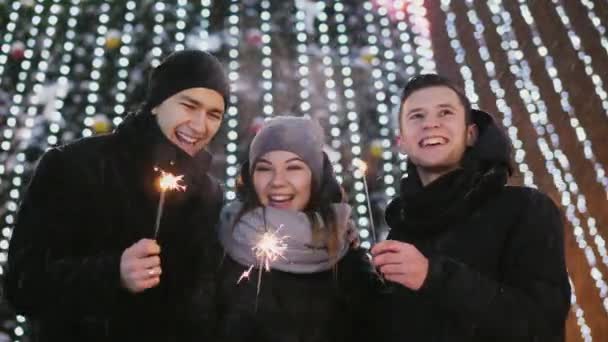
167, 182
245, 274
363, 168
268, 248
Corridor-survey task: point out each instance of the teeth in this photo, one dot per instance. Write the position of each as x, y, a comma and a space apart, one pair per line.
432, 141
280, 198
186, 138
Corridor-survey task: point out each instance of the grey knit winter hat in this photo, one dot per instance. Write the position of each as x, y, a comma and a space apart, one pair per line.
184, 70
300, 136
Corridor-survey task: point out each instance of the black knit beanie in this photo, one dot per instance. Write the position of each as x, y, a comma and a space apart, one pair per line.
184, 70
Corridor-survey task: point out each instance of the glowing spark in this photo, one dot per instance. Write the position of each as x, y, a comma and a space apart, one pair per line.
269, 248
167, 182
361, 165
245, 274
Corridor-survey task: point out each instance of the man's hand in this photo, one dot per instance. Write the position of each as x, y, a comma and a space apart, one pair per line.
140, 266
401, 263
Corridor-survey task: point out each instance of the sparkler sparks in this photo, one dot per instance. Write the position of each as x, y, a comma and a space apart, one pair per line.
245, 274
268, 248
167, 182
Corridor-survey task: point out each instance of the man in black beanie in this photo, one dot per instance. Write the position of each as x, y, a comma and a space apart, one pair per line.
85, 263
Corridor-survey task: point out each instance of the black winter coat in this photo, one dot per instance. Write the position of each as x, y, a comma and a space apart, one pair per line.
329, 306
90, 200
496, 256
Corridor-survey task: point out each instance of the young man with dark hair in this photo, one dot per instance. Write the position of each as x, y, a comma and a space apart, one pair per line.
472, 258
84, 263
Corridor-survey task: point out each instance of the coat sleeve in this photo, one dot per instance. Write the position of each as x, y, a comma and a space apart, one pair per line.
45, 274
532, 300
361, 285
199, 309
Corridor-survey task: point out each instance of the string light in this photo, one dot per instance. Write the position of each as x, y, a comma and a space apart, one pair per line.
465, 70
420, 27
579, 314
335, 120
265, 27
122, 71
382, 59
552, 71
9, 134
7, 39
303, 59
232, 111
180, 24
586, 59
353, 125
409, 60
41, 74
204, 24
159, 29
407, 51
596, 21
96, 64
56, 120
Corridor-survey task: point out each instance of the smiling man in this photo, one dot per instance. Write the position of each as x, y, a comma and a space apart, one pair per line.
436, 130
472, 258
82, 262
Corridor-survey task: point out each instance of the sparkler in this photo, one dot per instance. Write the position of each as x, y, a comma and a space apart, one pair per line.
363, 168
245, 274
167, 182
268, 248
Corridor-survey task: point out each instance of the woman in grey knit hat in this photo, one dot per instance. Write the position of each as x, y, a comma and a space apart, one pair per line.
318, 289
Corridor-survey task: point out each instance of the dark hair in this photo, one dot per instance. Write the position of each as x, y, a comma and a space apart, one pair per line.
320, 202
433, 80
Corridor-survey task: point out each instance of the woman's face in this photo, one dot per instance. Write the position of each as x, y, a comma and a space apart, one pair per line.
282, 180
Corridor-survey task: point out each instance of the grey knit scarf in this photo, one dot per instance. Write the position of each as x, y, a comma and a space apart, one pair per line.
303, 255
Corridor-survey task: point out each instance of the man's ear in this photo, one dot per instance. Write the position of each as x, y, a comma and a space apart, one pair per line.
153, 110
472, 134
